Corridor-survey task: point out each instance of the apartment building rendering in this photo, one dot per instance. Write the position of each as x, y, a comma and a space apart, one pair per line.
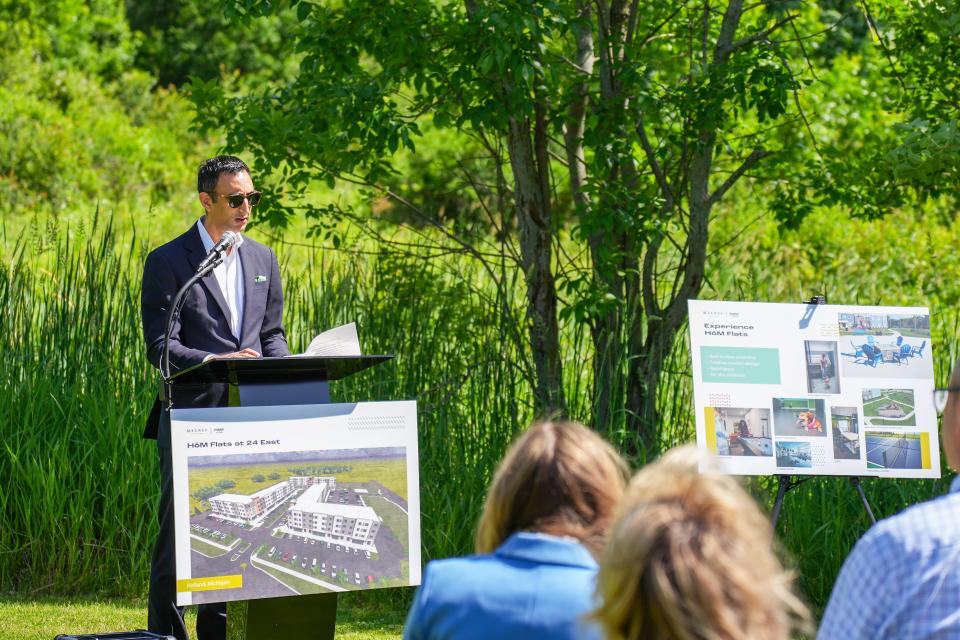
256, 505
349, 523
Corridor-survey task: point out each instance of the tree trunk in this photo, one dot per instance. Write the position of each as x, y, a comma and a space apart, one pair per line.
607, 326
647, 355
536, 248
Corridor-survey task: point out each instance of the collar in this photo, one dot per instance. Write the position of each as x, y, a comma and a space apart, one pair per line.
955, 485
546, 549
207, 240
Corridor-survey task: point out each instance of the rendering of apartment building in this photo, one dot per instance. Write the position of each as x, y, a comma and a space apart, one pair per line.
308, 481
253, 506
335, 522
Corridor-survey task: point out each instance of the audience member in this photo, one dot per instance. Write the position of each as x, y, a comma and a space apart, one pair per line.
902, 579
690, 557
545, 521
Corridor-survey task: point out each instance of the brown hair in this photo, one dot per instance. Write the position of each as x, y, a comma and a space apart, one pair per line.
691, 557
559, 478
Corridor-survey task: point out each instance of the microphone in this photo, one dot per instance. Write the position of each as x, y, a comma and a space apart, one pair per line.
215, 257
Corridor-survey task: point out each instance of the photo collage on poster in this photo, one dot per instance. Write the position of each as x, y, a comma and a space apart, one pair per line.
815, 389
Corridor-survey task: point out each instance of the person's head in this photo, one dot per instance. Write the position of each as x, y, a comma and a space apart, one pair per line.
559, 478
690, 557
226, 193
950, 428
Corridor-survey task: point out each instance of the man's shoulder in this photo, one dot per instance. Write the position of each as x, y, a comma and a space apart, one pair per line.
935, 521
254, 246
177, 245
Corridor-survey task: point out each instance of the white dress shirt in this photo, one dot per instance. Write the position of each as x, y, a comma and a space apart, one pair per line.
229, 275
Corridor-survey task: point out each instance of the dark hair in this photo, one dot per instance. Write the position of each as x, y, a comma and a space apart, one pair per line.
210, 170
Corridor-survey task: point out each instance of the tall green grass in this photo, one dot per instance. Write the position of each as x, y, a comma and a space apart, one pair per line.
78, 486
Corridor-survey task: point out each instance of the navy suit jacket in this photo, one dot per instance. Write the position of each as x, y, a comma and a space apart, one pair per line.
533, 586
203, 327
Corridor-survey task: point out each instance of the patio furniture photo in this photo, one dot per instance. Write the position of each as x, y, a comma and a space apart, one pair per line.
872, 355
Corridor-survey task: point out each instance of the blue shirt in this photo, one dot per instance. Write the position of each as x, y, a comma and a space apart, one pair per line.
533, 586
902, 579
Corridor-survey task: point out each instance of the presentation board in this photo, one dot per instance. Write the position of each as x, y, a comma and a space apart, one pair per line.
815, 389
298, 499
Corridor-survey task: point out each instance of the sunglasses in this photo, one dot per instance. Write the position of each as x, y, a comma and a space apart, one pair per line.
236, 199
940, 397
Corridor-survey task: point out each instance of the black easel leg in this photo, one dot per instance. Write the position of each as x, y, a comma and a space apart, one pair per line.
781, 491
855, 481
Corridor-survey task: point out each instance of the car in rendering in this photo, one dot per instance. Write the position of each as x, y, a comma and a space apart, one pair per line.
285, 557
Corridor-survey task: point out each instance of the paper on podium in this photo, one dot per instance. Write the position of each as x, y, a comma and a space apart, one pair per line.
339, 341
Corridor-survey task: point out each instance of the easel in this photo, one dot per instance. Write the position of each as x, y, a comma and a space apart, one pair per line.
787, 482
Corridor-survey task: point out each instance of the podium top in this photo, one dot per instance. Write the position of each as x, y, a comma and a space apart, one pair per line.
276, 370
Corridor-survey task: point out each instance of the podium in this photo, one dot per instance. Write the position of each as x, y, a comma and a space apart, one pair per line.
257, 382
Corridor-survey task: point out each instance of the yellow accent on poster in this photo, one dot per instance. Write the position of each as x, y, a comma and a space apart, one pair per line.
711, 429
211, 583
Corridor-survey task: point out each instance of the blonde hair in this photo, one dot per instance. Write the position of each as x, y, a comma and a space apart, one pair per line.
559, 478
691, 557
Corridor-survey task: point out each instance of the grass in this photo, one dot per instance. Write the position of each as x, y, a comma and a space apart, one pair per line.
207, 549
391, 473
900, 396
45, 618
393, 518
80, 486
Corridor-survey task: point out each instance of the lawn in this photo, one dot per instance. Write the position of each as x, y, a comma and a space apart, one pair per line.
44, 618
390, 472
206, 549
902, 397
393, 518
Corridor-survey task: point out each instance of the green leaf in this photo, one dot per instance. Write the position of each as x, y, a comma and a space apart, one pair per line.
303, 11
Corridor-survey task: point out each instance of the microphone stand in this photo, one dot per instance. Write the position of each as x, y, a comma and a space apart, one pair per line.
172, 313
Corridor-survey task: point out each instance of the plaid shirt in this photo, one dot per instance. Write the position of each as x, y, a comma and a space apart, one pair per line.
902, 580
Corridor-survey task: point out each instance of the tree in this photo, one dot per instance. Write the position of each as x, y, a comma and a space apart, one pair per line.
257, 477
184, 38
620, 126
921, 42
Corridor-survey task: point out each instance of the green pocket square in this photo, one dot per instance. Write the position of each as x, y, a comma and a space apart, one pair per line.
260, 278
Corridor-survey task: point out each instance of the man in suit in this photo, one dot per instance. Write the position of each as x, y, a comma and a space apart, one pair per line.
232, 312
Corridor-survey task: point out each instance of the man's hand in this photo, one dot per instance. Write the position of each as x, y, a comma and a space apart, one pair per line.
244, 353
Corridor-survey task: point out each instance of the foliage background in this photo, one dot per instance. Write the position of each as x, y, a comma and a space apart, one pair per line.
97, 158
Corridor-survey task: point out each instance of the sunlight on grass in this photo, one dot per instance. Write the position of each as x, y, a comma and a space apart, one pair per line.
44, 618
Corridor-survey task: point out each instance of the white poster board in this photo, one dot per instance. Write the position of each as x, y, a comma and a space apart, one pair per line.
815, 389
289, 500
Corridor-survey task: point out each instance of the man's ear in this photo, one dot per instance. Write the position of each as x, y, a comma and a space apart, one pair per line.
205, 201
